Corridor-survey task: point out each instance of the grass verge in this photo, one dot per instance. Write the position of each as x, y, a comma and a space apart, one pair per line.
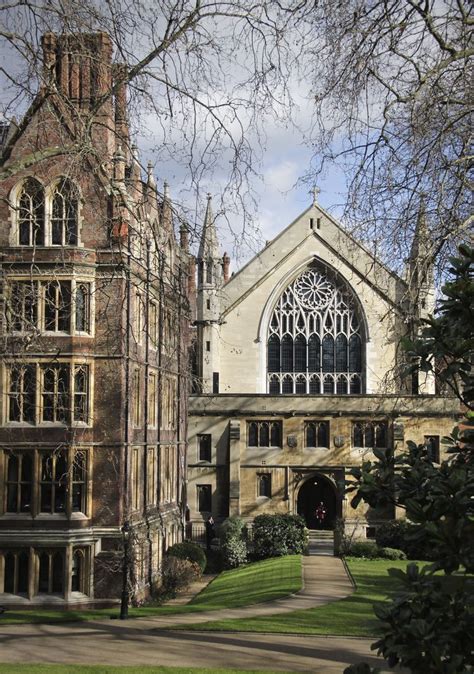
352, 616
250, 584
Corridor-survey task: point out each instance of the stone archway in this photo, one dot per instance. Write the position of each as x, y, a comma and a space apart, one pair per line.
316, 489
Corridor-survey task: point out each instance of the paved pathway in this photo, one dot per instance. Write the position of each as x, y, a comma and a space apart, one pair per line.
147, 641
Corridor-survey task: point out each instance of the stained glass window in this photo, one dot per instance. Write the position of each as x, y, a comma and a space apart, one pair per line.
315, 340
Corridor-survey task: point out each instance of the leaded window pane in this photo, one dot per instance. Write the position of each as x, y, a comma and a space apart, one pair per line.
314, 356
341, 387
314, 385
300, 386
275, 438
274, 386
314, 328
274, 354
287, 354
355, 356
22, 586
323, 434
64, 215
253, 434
287, 385
328, 353
341, 353
300, 354
31, 214
355, 384
328, 386
264, 435
311, 434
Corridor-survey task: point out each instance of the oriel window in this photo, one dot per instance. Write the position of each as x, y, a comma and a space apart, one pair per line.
53, 482
22, 311
56, 405
81, 393
19, 483
82, 307
78, 502
22, 393
57, 306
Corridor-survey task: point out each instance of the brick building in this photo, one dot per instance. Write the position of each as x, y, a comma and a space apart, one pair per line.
94, 344
302, 374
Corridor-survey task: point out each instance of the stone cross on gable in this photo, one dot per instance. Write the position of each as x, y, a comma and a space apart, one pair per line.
315, 192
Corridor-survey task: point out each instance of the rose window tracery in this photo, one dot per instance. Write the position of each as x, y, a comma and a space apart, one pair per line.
313, 290
315, 337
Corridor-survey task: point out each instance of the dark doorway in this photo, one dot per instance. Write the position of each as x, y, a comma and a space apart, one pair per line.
315, 490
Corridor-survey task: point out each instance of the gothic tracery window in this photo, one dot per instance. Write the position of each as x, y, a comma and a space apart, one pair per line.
64, 215
31, 214
315, 337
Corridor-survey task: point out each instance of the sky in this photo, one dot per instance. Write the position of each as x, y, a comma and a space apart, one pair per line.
278, 191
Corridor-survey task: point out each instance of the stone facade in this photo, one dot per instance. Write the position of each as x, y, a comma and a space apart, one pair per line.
94, 345
289, 417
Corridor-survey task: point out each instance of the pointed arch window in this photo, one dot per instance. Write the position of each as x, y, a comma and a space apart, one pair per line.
64, 215
315, 339
31, 214
274, 353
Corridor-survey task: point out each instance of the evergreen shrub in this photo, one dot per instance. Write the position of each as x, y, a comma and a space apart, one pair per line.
190, 551
367, 549
402, 535
233, 546
279, 535
392, 553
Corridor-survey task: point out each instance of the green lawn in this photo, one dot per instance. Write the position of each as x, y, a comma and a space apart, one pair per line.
100, 669
250, 584
352, 616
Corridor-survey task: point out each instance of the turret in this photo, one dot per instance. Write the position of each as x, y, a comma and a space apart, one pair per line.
421, 288
210, 280
420, 269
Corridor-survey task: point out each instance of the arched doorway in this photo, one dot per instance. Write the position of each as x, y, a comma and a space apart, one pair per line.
316, 489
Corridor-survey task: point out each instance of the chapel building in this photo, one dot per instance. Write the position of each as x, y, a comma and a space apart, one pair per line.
94, 316
300, 374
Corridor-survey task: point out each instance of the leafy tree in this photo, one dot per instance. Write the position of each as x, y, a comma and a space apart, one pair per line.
427, 626
446, 345
391, 81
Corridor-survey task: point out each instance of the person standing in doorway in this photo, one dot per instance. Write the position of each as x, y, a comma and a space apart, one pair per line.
320, 514
209, 532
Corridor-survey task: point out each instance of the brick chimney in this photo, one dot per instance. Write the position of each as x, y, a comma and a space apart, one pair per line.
80, 65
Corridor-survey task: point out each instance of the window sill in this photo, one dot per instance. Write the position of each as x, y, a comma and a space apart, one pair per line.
52, 424
19, 424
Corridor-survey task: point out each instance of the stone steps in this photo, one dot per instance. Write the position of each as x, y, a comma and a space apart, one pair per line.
321, 542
